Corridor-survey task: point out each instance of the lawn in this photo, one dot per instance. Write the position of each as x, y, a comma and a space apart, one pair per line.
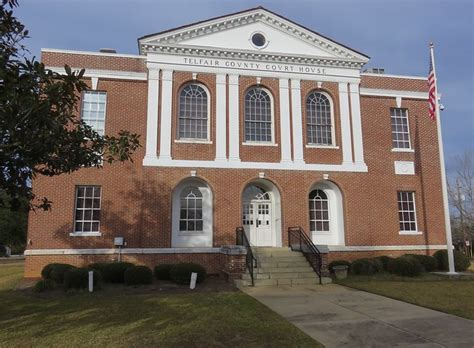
128, 319
445, 295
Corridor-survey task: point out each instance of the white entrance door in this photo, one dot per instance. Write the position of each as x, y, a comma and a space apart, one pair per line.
257, 222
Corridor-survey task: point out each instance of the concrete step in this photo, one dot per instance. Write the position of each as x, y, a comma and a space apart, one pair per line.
282, 259
302, 268
282, 264
289, 275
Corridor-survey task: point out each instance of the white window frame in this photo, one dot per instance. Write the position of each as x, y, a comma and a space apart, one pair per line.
272, 111
75, 233
187, 219
333, 144
328, 220
408, 232
105, 109
206, 140
401, 149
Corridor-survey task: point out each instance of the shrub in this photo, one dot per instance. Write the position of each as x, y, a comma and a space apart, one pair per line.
137, 275
56, 271
181, 272
385, 260
429, 263
114, 272
405, 266
44, 284
98, 266
3, 251
162, 272
461, 261
338, 263
78, 278
366, 266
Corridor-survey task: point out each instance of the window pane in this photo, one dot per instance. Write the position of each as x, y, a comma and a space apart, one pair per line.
258, 116
319, 119
400, 133
93, 109
193, 113
86, 218
406, 211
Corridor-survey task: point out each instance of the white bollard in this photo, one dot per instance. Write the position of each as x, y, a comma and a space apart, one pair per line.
194, 276
91, 281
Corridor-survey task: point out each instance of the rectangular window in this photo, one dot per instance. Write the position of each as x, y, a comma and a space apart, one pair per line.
87, 211
93, 110
407, 211
400, 128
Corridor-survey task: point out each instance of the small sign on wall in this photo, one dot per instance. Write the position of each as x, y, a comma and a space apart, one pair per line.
404, 167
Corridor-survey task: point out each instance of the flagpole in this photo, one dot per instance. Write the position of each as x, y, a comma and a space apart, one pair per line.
444, 186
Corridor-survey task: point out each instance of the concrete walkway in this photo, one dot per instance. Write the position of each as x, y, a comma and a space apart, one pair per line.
338, 316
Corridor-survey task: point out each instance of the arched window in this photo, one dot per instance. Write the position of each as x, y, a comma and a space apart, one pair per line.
193, 122
318, 211
258, 115
190, 214
319, 120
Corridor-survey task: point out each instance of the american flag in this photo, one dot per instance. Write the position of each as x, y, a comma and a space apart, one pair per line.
432, 90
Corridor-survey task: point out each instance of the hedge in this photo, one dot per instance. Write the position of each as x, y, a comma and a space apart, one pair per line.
44, 284
405, 266
461, 261
162, 272
138, 275
56, 271
114, 272
78, 278
385, 260
366, 266
429, 263
181, 272
98, 266
338, 263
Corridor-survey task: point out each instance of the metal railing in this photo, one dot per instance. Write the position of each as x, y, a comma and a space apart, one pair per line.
299, 241
250, 260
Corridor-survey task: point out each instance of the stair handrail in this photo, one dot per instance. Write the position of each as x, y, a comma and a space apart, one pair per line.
250, 259
298, 240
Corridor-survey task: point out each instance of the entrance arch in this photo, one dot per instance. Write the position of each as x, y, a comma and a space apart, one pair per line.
261, 213
326, 215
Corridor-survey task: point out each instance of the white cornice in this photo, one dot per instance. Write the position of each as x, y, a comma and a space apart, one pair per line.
105, 74
206, 52
177, 36
423, 78
393, 93
112, 251
90, 53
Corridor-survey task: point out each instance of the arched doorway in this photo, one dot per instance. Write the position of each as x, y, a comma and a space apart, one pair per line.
192, 214
326, 216
261, 213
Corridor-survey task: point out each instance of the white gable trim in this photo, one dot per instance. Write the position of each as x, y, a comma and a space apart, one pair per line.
232, 21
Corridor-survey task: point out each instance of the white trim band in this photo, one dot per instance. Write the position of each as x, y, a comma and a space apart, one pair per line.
386, 247
91, 53
375, 92
396, 76
104, 74
37, 252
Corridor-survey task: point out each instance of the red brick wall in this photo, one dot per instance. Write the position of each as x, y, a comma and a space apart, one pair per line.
136, 200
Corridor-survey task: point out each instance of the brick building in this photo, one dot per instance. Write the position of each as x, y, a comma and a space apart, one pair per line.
246, 120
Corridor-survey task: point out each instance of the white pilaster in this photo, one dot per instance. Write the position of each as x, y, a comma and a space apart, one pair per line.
285, 121
345, 123
297, 121
221, 118
356, 123
234, 129
152, 112
166, 117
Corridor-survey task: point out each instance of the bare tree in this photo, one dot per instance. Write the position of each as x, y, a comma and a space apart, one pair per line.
461, 194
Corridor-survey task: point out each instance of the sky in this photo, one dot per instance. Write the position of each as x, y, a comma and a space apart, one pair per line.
395, 34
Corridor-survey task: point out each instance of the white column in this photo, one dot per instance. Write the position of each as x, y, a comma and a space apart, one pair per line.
345, 123
356, 123
166, 117
297, 121
234, 129
152, 113
285, 121
221, 118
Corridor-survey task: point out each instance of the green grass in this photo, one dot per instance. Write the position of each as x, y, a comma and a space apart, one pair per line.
442, 294
113, 318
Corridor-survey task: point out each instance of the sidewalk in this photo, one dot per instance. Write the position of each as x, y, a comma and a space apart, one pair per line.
338, 316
